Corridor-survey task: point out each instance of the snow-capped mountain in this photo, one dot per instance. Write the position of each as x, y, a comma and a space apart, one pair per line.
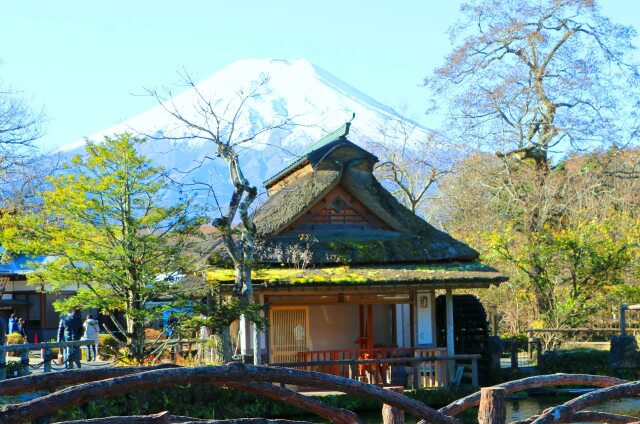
316, 101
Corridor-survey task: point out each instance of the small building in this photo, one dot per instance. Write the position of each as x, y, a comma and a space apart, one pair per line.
347, 271
32, 303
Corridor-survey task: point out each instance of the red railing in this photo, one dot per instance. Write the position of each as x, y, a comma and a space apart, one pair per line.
429, 374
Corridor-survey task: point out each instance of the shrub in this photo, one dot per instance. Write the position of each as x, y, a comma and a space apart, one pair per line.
15, 338
107, 346
14, 368
55, 351
576, 361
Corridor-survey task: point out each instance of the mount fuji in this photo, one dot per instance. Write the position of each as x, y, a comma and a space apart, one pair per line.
315, 100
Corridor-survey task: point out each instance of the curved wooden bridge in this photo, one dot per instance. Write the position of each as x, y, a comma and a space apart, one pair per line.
94, 384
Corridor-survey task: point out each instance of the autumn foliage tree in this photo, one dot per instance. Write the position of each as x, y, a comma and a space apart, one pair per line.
526, 79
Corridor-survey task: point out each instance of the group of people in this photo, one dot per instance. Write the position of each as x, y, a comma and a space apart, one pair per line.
17, 325
71, 328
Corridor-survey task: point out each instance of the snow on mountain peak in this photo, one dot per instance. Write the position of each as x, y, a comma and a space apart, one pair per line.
317, 101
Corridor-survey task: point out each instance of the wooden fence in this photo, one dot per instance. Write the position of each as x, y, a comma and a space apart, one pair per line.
45, 350
425, 371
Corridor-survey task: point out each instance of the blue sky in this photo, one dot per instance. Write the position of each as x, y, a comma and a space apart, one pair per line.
87, 62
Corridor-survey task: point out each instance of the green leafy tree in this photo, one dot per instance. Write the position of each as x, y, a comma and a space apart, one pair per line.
103, 223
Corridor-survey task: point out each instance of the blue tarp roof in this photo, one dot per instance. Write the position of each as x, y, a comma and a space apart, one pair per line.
18, 264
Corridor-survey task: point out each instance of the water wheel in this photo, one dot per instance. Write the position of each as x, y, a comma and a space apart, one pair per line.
470, 329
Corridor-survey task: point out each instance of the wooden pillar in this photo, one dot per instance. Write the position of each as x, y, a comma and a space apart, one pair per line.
623, 322
538, 353
474, 372
24, 362
3, 365
391, 415
493, 406
256, 334
451, 365
244, 339
46, 357
369, 326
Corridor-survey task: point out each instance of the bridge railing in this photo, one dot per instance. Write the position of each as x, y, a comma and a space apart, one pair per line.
45, 348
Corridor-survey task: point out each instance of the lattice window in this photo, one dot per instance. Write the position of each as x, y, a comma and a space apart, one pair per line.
338, 217
338, 212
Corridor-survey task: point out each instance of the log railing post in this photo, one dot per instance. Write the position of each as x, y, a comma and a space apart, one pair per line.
623, 322
24, 361
391, 415
493, 407
530, 344
474, 372
514, 354
3, 365
539, 352
46, 357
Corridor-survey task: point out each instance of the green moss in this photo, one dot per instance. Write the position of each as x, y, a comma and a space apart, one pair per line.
347, 275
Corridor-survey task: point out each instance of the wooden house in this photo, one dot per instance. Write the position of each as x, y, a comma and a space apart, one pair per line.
34, 304
347, 271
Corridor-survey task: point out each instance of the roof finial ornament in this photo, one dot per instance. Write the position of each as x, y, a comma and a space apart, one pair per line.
348, 124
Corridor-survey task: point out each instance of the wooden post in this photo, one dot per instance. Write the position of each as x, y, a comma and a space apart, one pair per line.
451, 365
3, 365
623, 323
474, 372
257, 352
493, 407
530, 344
539, 352
391, 415
46, 357
24, 361
514, 354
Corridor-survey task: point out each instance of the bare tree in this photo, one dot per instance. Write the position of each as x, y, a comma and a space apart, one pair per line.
412, 160
528, 78
224, 123
19, 128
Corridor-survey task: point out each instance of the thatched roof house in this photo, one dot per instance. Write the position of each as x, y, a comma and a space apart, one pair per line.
332, 242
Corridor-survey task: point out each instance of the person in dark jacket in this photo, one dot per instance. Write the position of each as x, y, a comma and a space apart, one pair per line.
3, 331
22, 328
70, 329
13, 324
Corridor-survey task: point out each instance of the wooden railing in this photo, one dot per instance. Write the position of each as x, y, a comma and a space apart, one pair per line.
417, 368
44, 348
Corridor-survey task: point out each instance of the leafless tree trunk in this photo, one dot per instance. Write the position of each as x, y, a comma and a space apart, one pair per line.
223, 126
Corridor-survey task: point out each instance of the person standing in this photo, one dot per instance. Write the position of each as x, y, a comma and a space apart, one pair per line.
3, 331
91, 332
22, 330
13, 324
70, 329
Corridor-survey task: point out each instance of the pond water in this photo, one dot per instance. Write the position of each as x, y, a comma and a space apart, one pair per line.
519, 409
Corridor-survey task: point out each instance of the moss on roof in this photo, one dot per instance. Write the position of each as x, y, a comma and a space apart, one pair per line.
471, 272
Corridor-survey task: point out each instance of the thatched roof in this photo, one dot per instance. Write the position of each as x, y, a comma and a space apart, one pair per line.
290, 203
409, 239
